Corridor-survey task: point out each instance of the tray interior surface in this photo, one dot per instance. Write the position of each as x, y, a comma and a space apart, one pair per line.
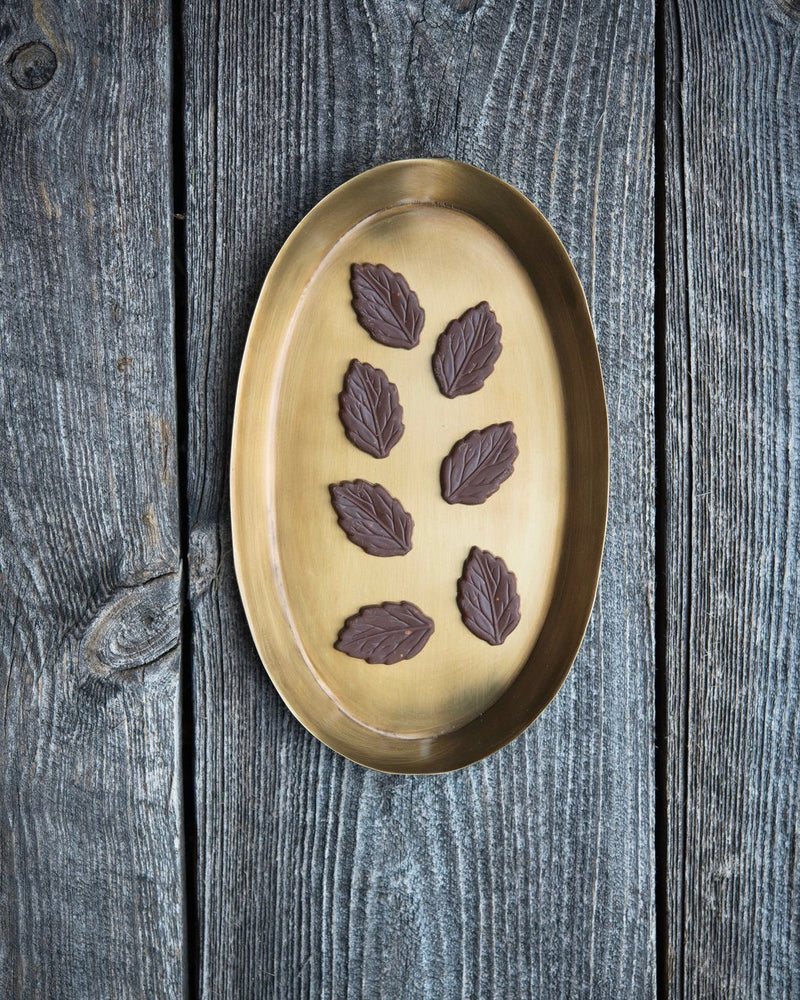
453, 262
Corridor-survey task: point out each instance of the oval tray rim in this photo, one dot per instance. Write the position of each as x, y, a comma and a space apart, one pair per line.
385, 173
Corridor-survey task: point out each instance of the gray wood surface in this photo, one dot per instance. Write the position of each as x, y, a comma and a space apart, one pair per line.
532, 874
91, 885
732, 180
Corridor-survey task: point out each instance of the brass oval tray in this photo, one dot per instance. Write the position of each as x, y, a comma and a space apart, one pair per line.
459, 236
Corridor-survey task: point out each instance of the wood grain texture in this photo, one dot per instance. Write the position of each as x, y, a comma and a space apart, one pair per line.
530, 875
733, 445
91, 897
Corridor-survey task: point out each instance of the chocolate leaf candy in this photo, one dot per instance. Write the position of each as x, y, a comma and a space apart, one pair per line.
467, 351
385, 306
385, 633
478, 464
487, 597
372, 518
370, 410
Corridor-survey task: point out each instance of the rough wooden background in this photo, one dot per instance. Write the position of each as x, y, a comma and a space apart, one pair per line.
530, 875
91, 885
163, 839
732, 500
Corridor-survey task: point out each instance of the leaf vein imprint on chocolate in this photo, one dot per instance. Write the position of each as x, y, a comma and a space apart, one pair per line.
479, 464
385, 633
372, 518
466, 352
370, 410
385, 305
487, 597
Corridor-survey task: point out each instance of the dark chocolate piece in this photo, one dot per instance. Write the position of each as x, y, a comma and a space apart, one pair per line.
385, 306
467, 351
370, 410
385, 633
478, 464
487, 597
371, 517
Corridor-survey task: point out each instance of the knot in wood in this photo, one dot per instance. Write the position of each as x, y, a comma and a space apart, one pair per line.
205, 559
137, 627
32, 65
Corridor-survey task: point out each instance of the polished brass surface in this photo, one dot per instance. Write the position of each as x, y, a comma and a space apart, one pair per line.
459, 235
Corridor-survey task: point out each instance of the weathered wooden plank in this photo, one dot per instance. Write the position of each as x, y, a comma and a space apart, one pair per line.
91, 891
732, 111
532, 873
